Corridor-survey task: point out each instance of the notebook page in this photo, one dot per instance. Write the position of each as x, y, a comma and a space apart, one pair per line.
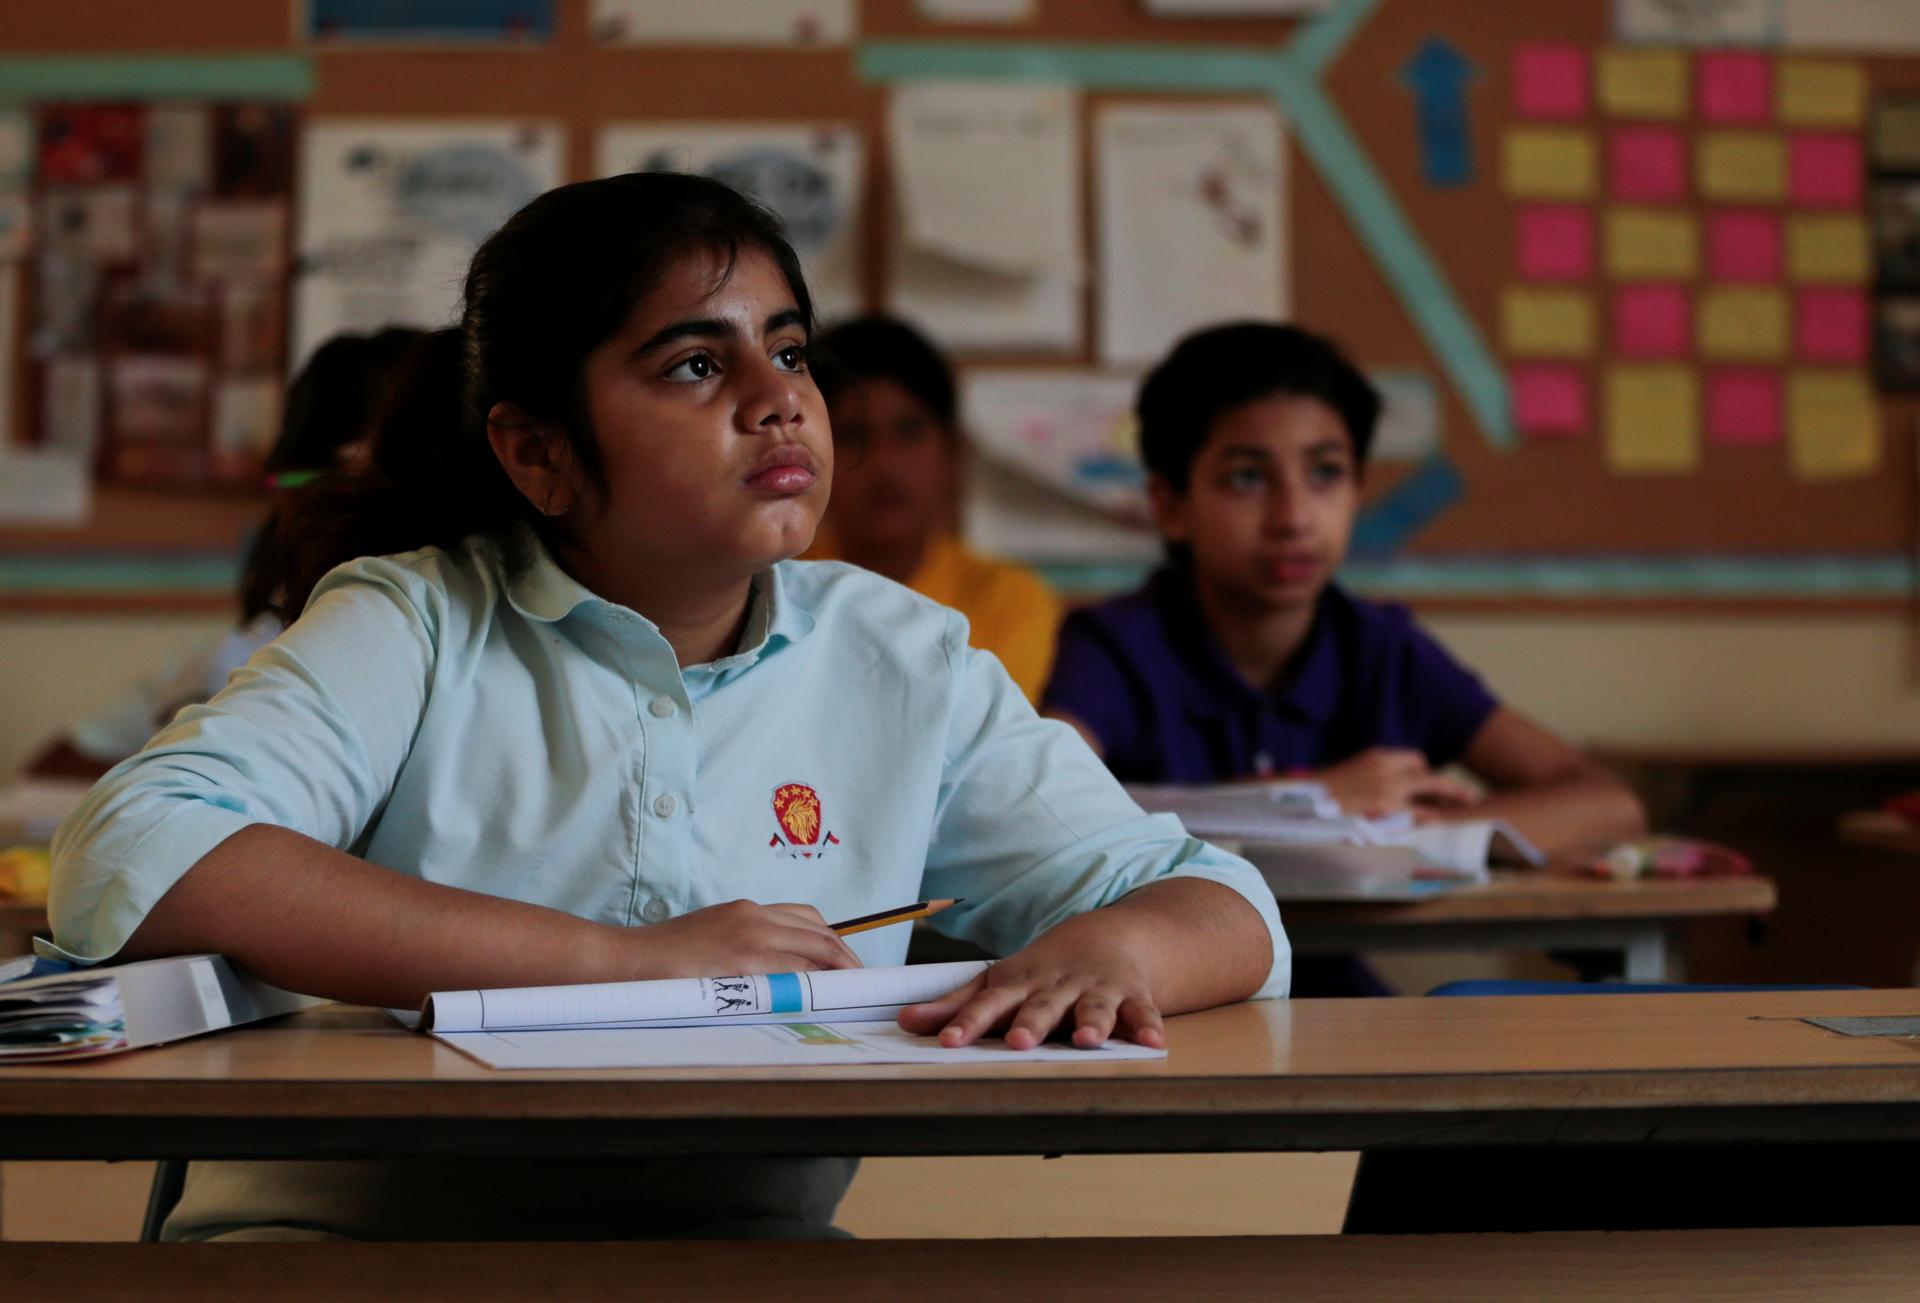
844, 995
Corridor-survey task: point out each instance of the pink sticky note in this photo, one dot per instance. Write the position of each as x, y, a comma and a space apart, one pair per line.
1652, 321
1550, 401
1830, 325
1550, 81
1647, 164
1743, 246
1734, 86
1743, 405
1825, 169
1555, 242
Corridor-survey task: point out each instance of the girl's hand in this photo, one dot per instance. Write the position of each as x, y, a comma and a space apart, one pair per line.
738, 937
1387, 780
1083, 973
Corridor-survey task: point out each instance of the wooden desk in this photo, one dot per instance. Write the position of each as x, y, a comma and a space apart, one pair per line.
1534, 910
1311, 1075
1858, 1263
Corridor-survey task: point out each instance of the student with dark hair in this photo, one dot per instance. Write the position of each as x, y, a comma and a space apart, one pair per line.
1242, 658
891, 397
556, 734
331, 409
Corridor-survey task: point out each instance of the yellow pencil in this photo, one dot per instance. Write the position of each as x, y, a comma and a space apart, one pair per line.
888, 917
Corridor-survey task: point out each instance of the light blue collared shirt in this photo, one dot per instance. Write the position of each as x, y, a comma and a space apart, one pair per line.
509, 732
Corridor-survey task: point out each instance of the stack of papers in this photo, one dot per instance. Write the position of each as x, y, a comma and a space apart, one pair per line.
1308, 848
72, 1016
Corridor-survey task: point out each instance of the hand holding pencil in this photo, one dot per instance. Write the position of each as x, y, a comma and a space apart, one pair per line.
888, 917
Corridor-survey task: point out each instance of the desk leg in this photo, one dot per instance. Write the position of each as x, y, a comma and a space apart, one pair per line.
1653, 955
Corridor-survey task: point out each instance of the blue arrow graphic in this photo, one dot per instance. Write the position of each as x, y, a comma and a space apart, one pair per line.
1438, 75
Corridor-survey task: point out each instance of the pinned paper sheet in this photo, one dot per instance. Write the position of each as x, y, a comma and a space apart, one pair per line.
1833, 424
1749, 166
1409, 428
1643, 83
1652, 419
1698, 22
1735, 86
1831, 325
1538, 322
1828, 247
1549, 163
1889, 26
1896, 132
976, 11
1554, 242
1550, 400
1652, 244
737, 22
1740, 323
1191, 223
1743, 246
1743, 405
1069, 434
987, 251
1647, 164
809, 174
1819, 93
1550, 80
44, 486
1827, 169
391, 211
1652, 321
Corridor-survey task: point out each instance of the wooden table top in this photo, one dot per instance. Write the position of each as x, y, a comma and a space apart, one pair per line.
1549, 895
1344, 1073
1878, 828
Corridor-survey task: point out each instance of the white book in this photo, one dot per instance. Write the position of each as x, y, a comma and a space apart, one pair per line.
93, 1011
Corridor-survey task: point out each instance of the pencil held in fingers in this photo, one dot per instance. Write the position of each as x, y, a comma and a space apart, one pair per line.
888, 917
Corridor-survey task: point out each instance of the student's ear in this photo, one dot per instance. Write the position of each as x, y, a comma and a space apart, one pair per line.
1169, 506
536, 456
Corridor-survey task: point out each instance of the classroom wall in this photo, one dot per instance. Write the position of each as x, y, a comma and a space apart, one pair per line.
1696, 680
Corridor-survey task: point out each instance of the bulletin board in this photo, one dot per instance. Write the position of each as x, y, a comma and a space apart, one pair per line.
1403, 244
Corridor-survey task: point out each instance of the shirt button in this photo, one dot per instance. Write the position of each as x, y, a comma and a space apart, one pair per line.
660, 707
656, 911
664, 805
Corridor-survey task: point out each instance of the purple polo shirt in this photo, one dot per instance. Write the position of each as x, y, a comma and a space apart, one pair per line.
1145, 673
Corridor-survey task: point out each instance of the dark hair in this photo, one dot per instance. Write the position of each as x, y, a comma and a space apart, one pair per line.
886, 348
542, 293
1215, 370
332, 403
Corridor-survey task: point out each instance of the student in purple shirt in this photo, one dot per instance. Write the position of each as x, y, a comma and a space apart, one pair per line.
1242, 659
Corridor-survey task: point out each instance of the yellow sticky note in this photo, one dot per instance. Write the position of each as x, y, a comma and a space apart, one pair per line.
1653, 419
1829, 247
1819, 93
1742, 323
1547, 322
1652, 243
1833, 424
1749, 165
1549, 163
1643, 83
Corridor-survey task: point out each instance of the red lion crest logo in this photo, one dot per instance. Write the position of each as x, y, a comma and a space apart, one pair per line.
796, 807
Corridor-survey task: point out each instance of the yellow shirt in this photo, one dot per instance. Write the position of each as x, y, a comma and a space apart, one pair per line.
1012, 612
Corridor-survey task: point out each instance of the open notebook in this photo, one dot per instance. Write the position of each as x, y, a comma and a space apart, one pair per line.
844, 1016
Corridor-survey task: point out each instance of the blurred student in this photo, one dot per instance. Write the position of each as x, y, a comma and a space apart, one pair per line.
1242, 658
891, 395
331, 409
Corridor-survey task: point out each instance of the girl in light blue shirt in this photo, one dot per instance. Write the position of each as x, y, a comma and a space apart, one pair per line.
567, 713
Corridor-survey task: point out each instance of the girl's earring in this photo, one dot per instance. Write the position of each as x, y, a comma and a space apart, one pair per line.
548, 509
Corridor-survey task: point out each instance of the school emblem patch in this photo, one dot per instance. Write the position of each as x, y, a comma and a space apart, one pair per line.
796, 808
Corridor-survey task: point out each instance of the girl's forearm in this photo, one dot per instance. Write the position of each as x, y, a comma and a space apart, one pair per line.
1576, 814
310, 918
1204, 944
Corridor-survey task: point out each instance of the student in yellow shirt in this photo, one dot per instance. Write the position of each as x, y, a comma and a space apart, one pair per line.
892, 399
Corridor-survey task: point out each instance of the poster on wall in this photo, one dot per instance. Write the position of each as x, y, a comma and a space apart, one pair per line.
1191, 223
985, 248
157, 247
391, 212
735, 22
424, 22
809, 175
